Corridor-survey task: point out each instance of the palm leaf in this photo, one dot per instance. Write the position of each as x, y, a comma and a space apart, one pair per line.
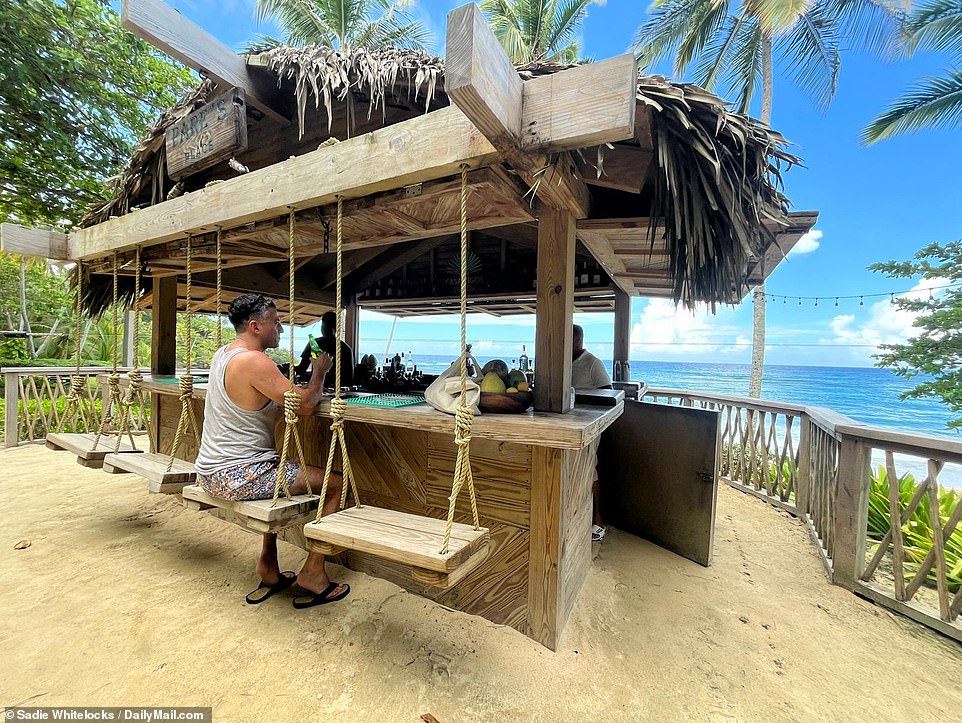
813, 51
934, 102
936, 24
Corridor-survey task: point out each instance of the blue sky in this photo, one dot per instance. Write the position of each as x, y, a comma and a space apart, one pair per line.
876, 203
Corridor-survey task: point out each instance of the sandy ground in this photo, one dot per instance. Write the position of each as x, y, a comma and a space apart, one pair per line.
125, 598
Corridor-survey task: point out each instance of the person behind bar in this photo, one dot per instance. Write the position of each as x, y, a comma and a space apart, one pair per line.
327, 343
238, 457
588, 372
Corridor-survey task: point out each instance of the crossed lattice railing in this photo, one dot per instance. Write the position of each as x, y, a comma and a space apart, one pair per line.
844, 480
35, 401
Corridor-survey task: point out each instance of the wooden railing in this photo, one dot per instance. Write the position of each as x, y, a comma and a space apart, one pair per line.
35, 403
817, 464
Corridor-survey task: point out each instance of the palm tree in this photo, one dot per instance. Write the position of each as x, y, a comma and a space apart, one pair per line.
342, 24
736, 44
932, 102
538, 30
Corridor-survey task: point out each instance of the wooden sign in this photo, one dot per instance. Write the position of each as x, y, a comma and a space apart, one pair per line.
207, 136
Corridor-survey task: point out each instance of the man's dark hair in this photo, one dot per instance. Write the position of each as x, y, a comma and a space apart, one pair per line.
244, 308
578, 332
329, 324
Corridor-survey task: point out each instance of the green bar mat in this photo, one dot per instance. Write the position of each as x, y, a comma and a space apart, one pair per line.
387, 400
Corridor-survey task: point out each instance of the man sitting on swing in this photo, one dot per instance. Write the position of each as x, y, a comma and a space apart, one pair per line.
238, 458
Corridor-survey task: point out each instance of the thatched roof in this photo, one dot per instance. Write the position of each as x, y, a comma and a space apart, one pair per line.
717, 180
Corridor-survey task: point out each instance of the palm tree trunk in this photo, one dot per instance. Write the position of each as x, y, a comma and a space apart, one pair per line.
24, 316
758, 315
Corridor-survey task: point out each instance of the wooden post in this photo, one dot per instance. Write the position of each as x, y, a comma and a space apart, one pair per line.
127, 347
163, 337
803, 472
11, 426
352, 324
556, 264
544, 549
622, 335
851, 512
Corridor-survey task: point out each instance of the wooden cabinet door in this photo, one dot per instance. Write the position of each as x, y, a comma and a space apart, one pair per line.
659, 476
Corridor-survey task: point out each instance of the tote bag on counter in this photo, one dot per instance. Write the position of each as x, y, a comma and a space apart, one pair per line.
444, 394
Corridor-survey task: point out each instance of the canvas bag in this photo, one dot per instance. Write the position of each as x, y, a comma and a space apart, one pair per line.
444, 393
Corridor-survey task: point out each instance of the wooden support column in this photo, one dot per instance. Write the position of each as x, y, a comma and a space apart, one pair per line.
556, 265
622, 335
11, 418
851, 512
163, 337
352, 325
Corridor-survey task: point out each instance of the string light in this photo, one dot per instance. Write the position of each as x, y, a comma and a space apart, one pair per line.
861, 301
861, 297
836, 301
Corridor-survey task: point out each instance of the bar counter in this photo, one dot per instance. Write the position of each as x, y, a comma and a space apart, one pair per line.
533, 473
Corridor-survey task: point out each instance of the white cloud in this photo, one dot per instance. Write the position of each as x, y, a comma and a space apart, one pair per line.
671, 330
807, 243
886, 323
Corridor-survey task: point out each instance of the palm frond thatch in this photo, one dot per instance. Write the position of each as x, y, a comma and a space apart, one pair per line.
718, 172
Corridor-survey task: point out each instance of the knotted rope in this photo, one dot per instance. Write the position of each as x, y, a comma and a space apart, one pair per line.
188, 420
78, 406
114, 399
292, 400
338, 405
135, 378
219, 262
464, 417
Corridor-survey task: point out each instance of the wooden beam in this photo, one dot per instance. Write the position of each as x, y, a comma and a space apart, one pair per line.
350, 263
352, 324
480, 78
623, 168
555, 304
163, 321
622, 331
169, 31
17, 239
258, 279
391, 260
424, 148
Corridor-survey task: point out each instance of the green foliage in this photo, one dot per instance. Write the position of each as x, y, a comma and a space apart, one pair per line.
538, 30
76, 91
935, 354
932, 102
917, 531
49, 304
340, 24
724, 40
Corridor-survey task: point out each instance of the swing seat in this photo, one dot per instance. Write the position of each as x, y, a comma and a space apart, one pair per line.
153, 467
410, 540
82, 445
255, 515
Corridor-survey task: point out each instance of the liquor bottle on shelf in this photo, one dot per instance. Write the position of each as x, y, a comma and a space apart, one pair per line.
596, 277
584, 274
523, 360
409, 367
617, 372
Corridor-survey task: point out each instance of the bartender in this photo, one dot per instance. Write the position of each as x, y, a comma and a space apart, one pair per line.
327, 342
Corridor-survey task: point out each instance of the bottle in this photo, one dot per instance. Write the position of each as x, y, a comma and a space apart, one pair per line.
626, 371
596, 278
390, 288
616, 371
584, 274
523, 360
409, 368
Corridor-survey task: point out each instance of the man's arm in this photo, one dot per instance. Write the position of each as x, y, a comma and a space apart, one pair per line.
267, 379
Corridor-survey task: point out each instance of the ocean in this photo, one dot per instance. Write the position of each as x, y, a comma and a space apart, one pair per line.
866, 394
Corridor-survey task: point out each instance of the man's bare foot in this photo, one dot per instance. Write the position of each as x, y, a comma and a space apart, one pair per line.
268, 569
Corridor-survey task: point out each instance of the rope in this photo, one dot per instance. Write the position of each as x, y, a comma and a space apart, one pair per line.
338, 405
135, 379
115, 398
75, 410
220, 335
464, 417
188, 420
292, 400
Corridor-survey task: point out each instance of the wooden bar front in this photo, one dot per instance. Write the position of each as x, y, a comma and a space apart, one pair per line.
533, 474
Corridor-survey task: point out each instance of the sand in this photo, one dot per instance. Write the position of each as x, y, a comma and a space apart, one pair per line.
125, 598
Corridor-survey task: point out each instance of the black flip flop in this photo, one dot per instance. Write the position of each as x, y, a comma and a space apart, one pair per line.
264, 591
307, 599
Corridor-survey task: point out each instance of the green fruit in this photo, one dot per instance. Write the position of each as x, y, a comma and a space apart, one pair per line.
515, 378
492, 383
497, 366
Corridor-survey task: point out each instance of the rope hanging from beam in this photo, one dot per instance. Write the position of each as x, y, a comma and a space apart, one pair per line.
135, 378
79, 405
292, 401
338, 405
114, 400
188, 420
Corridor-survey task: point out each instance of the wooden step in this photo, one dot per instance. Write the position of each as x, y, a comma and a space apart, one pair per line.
153, 468
82, 445
399, 537
259, 515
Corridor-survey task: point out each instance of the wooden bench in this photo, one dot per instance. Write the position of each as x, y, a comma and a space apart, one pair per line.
410, 540
82, 445
153, 468
256, 515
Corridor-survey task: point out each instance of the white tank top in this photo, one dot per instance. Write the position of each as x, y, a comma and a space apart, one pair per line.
232, 435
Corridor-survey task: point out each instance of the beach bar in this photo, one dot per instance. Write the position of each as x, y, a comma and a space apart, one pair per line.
582, 186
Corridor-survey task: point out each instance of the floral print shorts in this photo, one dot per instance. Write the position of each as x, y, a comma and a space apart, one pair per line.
251, 481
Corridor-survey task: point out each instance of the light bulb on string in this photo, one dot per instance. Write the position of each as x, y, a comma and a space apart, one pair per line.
891, 298
861, 301
816, 302
836, 301
799, 300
